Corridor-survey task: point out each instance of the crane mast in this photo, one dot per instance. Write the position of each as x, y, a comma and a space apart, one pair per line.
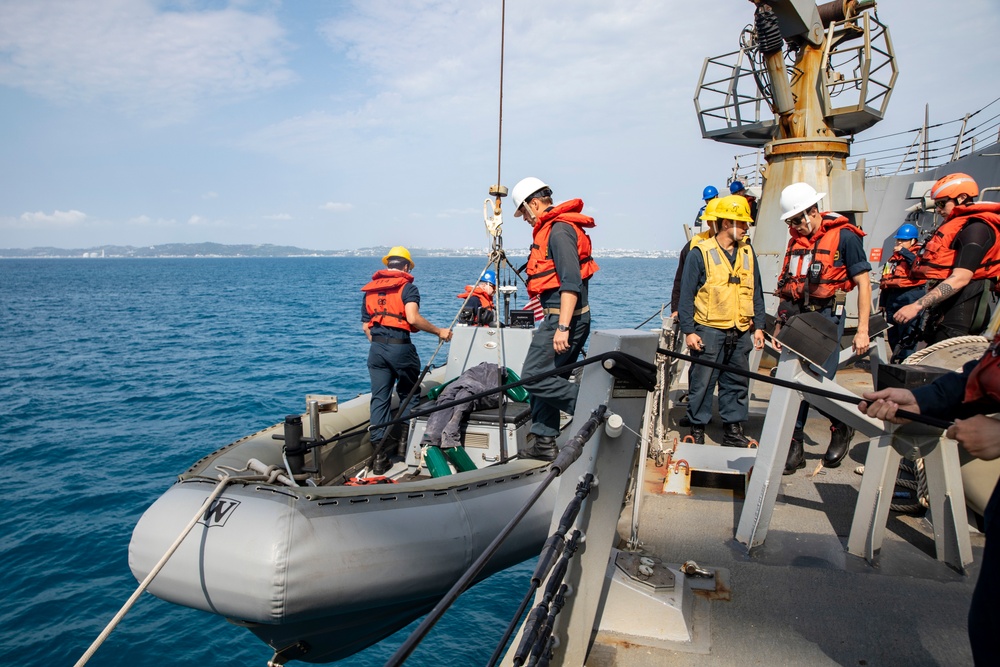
805, 80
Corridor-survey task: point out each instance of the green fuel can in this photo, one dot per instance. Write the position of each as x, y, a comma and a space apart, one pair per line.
460, 459
437, 464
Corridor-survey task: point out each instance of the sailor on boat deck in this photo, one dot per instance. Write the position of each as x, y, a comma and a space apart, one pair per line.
559, 270
722, 315
971, 395
708, 194
708, 217
898, 288
390, 312
825, 258
957, 260
477, 300
483, 290
737, 188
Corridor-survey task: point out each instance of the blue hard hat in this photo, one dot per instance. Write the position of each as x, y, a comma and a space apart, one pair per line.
907, 231
735, 186
709, 192
489, 276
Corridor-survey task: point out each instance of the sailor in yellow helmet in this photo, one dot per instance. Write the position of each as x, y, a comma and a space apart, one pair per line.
708, 217
721, 314
390, 312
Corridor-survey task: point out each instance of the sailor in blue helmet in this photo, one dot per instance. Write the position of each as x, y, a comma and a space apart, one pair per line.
478, 307
708, 194
736, 188
899, 287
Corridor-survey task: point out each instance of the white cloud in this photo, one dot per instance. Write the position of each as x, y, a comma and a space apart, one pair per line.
146, 221
396, 112
202, 221
448, 51
54, 219
161, 65
210, 195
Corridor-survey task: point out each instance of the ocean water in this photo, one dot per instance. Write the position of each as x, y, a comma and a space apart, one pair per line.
117, 374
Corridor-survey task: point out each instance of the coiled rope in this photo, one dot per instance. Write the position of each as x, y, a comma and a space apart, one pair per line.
911, 473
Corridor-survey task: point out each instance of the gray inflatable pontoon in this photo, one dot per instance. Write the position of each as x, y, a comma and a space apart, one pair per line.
322, 571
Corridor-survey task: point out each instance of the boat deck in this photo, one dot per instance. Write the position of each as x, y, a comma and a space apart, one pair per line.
800, 598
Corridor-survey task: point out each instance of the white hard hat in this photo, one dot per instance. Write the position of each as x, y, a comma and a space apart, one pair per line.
797, 197
524, 189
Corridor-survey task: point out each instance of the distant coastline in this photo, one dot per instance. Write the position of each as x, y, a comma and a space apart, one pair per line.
168, 250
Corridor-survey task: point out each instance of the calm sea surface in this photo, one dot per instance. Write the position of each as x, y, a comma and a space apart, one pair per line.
117, 374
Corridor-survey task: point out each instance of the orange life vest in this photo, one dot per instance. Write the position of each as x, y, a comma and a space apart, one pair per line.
366, 481
984, 380
485, 298
897, 272
384, 299
821, 247
542, 274
937, 260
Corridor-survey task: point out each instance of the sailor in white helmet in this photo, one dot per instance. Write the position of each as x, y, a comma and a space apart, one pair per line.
558, 273
825, 255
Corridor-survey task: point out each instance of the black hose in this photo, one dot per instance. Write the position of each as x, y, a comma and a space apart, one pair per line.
856, 400
624, 364
552, 550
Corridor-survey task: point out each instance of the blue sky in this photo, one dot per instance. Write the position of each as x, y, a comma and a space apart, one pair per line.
345, 124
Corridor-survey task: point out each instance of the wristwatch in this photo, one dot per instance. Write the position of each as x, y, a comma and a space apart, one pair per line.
562, 327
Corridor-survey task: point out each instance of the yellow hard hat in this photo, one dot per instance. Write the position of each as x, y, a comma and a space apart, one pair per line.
710, 210
398, 251
733, 207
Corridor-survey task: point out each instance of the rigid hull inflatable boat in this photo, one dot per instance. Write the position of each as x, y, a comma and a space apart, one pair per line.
322, 570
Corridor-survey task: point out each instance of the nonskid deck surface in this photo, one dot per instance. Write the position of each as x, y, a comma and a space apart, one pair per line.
800, 598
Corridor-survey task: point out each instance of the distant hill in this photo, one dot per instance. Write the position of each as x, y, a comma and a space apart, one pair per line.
269, 250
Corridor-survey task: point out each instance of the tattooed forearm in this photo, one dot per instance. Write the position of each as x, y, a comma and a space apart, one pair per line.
936, 295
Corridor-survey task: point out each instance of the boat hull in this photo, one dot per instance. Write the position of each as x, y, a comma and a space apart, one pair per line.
338, 568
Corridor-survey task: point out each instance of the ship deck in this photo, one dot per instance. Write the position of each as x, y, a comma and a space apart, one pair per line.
800, 598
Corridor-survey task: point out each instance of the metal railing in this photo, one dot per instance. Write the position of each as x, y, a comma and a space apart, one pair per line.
733, 98
930, 145
919, 149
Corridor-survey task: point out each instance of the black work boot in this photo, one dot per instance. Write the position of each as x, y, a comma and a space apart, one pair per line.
384, 450
697, 434
381, 464
840, 441
543, 449
796, 456
732, 435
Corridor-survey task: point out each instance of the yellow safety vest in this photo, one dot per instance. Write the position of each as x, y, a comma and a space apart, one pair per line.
699, 237
725, 300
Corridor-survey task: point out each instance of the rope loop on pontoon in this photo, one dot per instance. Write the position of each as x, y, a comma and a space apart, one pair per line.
224, 479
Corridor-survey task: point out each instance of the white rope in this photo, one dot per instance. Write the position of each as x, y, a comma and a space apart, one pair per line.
920, 355
149, 578
916, 468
